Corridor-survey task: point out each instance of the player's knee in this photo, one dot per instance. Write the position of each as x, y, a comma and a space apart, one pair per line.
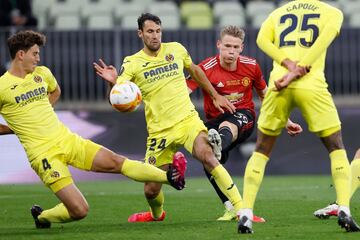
107, 161
333, 142
79, 211
208, 158
204, 153
263, 148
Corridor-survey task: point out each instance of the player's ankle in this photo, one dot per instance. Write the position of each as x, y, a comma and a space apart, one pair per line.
345, 209
248, 212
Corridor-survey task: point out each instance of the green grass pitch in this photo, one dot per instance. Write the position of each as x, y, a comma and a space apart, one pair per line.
286, 202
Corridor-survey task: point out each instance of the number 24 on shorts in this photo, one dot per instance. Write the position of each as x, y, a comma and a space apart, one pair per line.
161, 145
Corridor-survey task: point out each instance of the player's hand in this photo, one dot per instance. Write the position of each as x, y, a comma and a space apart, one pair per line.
222, 103
106, 72
298, 72
293, 129
301, 71
285, 81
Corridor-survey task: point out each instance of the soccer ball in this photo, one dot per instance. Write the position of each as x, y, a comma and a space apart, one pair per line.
125, 96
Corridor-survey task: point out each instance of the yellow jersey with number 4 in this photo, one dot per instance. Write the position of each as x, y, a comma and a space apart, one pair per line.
162, 83
299, 31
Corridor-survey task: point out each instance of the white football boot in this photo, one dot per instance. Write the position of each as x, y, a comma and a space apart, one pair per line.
214, 139
326, 212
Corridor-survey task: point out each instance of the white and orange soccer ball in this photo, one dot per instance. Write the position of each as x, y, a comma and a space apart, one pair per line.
125, 96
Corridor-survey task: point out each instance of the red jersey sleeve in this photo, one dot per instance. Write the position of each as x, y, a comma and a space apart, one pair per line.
259, 82
191, 84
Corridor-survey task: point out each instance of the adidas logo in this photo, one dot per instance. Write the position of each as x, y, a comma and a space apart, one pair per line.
220, 84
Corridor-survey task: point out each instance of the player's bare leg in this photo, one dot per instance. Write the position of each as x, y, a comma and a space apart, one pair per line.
73, 207
155, 196
226, 139
203, 152
110, 162
74, 201
155, 199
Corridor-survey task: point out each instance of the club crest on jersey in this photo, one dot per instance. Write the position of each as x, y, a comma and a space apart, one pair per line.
152, 160
55, 174
169, 57
245, 81
37, 79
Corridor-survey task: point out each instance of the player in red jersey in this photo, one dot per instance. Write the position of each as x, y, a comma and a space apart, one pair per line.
233, 76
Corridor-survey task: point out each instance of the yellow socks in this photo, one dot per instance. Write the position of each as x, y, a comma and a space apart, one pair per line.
355, 176
254, 174
340, 170
156, 205
226, 185
143, 172
57, 214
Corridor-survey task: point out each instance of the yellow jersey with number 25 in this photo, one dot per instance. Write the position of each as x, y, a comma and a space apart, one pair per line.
299, 31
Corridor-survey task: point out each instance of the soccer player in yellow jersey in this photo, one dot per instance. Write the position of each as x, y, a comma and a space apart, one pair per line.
172, 120
27, 95
333, 208
296, 36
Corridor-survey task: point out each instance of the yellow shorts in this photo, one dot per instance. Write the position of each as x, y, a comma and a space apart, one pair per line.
316, 106
161, 146
51, 166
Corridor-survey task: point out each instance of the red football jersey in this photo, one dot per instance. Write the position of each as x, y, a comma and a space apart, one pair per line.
237, 86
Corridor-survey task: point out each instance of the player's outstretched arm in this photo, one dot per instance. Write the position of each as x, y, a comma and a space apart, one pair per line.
220, 102
5, 130
106, 72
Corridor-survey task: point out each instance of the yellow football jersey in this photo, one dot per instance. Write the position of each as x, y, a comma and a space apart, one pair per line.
294, 29
162, 83
25, 106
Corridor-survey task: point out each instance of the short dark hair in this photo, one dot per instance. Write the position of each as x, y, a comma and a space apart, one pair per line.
147, 16
24, 40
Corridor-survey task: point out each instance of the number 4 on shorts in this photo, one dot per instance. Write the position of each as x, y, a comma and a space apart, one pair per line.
46, 164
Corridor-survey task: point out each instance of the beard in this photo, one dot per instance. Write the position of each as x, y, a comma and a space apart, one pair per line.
152, 47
